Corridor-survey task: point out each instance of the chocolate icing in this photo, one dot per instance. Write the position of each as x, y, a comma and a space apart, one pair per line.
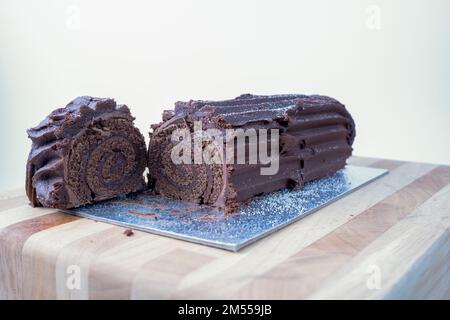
85, 152
316, 135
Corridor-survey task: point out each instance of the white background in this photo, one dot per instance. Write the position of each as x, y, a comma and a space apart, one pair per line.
394, 79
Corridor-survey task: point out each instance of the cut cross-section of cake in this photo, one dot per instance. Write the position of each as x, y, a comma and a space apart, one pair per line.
314, 136
85, 152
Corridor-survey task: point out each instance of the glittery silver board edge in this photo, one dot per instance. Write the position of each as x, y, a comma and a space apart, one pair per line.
205, 225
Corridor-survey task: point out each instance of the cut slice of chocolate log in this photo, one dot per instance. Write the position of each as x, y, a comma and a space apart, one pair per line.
88, 151
315, 137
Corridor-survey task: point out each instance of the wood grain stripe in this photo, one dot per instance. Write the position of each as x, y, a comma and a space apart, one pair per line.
111, 273
429, 277
387, 164
41, 250
159, 278
109, 250
82, 253
297, 277
131, 260
22, 213
12, 240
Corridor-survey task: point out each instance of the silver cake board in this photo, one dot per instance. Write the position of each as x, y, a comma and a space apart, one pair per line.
205, 225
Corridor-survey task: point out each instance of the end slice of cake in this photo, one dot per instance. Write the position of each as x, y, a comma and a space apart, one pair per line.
85, 152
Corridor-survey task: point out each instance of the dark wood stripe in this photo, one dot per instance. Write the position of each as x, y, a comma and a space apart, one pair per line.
12, 240
297, 276
387, 164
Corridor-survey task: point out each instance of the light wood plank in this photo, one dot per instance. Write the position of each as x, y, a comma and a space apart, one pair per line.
405, 256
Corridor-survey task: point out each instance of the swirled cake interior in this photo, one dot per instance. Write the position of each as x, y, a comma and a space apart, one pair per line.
85, 152
315, 136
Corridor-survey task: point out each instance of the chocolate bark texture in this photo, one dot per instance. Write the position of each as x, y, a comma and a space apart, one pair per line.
86, 152
316, 134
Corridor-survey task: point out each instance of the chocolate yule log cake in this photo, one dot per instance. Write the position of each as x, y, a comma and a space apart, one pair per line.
86, 152
315, 137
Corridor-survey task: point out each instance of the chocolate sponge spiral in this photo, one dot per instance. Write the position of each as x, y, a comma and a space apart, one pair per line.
200, 183
86, 152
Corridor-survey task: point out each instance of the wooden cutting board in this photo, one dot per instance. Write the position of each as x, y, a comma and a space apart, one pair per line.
390, 239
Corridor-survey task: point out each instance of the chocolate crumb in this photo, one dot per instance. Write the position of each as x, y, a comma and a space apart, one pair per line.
128, 232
